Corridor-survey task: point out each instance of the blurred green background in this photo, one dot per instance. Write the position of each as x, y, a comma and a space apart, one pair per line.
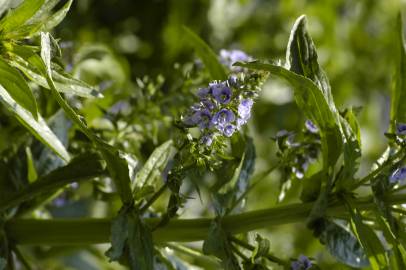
129, 40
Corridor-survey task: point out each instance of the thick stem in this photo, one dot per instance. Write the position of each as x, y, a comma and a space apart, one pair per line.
95, 231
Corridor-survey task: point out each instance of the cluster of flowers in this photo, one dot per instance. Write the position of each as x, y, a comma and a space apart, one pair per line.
223, 108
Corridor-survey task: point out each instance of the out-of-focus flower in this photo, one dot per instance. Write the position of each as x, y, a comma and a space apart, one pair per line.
401, 129
302, 263
310, 126
229, 57
398, 175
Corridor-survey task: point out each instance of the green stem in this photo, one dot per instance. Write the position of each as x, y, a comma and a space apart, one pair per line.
388, 163
153, 199
93, 231
270, 257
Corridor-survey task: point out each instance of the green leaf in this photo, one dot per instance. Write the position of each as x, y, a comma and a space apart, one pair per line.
38, 128
344, 246
57, 17
230, 194
369, 241
261, 249
140, 244
155, 163
63, 81
32, 172
119, 235
119, 172
301, 58
209, 58
398, 96
18, 16
314, 105
352, 150
81, 168
18, 88
217, 244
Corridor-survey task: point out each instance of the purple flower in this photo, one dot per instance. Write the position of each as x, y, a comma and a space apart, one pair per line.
206, 139
221, 93
203, 92
398, 175
233, 81
303, 263
201, 117
222, 118
228, 130
228, 58
207, 103
311, 127
401, 129
244, 108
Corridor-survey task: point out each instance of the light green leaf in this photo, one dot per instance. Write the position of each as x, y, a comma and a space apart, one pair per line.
314, 105
261, 249
156, 162
209, 58
63, 81
18, 88
81, 168
57, 17
32, 172
398, 106
38, 128
369, 241
18, 16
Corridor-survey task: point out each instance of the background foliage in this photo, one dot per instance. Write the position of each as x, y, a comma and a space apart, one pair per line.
135, 54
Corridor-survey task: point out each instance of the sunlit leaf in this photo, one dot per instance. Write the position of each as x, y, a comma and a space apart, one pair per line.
18, 16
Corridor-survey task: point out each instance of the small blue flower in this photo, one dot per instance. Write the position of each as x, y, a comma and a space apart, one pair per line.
207, 139
401, 129
228, 58
203, 92
244, 108
233, 81
311, 126
229, 130
398, 175
221, 92
303, 263
222, 118
207, 103
201, 117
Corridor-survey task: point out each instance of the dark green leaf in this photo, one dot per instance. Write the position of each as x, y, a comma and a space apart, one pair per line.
119, 235
140, 244
209, 58
18, 88
18, 16
217, 244
118, 169
344, 246
81, 168
398, 106
57, 17
261, 249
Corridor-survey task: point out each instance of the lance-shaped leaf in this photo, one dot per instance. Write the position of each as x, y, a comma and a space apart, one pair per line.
155, 164
301, 58
18, 88
344, 246
38, 128
18, 16
83, 167
57, 17
209, 58
398, 106
368, 239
